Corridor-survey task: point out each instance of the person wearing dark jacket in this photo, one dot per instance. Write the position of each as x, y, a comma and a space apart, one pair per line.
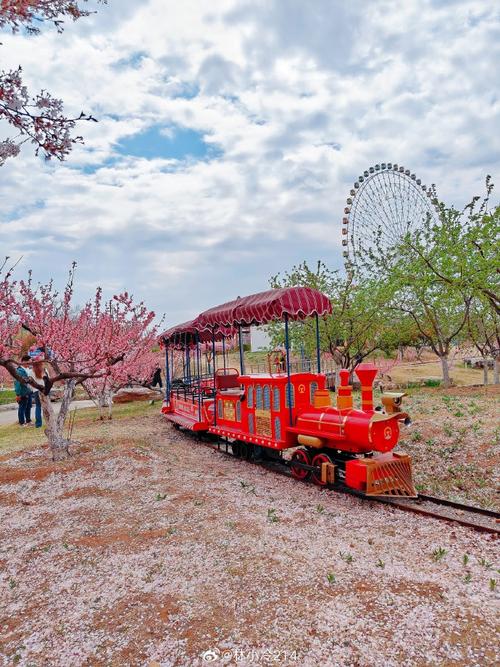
157, 378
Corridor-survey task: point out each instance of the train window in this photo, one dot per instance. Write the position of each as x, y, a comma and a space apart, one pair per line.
251, 423
250, 397
276, 399
267, 397
277, 428
258, 397
290, 395
313, 388
238, 411
220, 409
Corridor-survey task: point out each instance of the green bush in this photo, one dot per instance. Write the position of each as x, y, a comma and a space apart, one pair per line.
432, 383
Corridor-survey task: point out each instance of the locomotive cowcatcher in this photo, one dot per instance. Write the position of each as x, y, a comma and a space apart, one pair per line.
265, 414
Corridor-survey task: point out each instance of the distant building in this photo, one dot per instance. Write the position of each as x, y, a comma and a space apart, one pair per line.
259, 339
246, 337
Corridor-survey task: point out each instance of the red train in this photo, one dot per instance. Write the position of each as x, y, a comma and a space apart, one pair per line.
262, 415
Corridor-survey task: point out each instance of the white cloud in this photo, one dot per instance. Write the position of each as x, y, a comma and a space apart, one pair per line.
300, 98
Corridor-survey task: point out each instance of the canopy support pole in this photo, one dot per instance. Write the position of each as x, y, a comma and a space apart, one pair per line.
215, 385
242, 361
289, 384
318, 351
167, 377
188, 364
172, 368
224, 352
198, 373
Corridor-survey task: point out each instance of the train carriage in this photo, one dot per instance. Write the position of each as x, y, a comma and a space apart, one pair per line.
262, 415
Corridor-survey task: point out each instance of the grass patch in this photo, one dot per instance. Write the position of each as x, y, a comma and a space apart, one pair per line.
7, 396
432, 383
14, 437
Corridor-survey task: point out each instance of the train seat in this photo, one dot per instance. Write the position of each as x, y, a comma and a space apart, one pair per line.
227, 378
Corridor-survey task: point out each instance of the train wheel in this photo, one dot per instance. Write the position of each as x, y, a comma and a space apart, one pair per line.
301, 456
317, 461
236, 448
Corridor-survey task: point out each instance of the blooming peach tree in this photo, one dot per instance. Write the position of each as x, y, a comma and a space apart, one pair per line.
5, 378
38, 118
74, 346
136, 367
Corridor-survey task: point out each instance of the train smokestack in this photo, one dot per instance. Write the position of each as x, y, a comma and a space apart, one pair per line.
366, 374
344, 391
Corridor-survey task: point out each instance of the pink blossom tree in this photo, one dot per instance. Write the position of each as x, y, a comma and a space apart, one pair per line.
137, 367
75, 346
37, 118
5, 377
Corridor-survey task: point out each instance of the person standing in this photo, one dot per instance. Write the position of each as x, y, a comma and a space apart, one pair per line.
36, 372
23, 394
157, 378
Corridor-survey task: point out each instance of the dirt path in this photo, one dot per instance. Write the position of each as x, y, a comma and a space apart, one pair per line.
10, 416
147, 548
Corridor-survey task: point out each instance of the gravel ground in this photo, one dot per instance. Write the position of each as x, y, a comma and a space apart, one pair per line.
147, 548
454, 442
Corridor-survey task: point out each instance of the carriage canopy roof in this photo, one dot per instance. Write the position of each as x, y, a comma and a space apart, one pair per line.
296, 302
188, 333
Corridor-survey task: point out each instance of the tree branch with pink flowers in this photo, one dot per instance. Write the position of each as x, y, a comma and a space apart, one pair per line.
73, 346
38, 119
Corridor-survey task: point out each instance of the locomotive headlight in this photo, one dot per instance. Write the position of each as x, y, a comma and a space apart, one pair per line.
392, 401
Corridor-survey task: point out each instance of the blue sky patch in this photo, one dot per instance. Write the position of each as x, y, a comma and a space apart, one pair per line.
19, 212
132, 60
187, 91
179, 144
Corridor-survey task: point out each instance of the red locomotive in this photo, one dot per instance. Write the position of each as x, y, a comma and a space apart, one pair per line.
262, 415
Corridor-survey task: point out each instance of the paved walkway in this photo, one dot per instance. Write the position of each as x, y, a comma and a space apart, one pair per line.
8, 415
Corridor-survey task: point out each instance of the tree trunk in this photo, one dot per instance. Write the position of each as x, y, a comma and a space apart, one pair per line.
105, 400
100, 404
496, 370
337, 367
54, 424
446, 372
485, 371
109, 403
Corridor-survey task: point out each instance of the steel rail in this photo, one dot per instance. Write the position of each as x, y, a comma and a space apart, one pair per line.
281, 467
410, 506
460, 506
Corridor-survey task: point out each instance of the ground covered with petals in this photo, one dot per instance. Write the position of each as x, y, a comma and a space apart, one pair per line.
454, 442
148, 548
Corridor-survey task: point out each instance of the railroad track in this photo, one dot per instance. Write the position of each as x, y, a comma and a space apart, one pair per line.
477, 518
480, 519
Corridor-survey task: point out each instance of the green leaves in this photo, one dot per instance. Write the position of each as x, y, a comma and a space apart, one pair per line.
360, 322
436, 285
442, 270
272, 517
439, 553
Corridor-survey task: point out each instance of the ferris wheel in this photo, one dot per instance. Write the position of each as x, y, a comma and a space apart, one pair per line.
385, 204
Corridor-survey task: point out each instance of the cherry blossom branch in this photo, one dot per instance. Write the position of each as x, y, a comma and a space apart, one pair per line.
40, 120
37, 119
22, 13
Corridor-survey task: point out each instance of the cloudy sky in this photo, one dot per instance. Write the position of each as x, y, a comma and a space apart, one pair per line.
230, 133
